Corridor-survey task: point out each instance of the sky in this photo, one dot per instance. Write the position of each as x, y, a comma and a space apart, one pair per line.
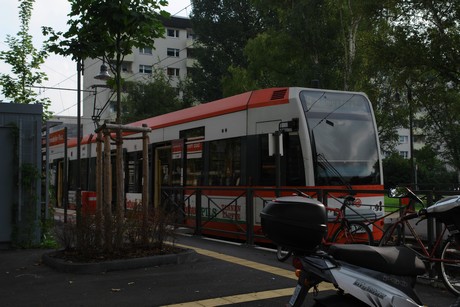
61, 71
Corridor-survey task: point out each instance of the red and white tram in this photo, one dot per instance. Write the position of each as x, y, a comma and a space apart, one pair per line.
263, 141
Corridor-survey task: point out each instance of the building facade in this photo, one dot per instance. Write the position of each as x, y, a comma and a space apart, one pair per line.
170, 54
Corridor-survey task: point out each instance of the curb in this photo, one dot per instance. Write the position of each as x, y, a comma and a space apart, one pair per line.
61, 265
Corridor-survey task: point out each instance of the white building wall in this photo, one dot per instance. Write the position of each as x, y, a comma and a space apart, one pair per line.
135, 65
403, 147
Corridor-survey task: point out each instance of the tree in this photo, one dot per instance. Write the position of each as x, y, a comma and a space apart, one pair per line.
309, 40
430, 77
109, 30
25, 61
396, 170
432, 172
153, 97
223, 28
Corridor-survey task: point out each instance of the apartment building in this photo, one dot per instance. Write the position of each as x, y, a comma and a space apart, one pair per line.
170, 54
403, 147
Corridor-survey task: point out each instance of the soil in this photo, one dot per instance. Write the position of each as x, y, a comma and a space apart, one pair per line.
128, 252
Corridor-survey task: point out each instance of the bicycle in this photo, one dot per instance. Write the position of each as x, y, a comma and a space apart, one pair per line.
344, 231
447, 258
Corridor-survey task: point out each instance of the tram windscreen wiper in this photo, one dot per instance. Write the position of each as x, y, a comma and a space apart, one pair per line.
330, 123
329, 167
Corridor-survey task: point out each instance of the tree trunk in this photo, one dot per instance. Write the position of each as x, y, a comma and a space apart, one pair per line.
107, 194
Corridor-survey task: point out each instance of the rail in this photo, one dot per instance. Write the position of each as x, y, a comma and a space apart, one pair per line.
215, 202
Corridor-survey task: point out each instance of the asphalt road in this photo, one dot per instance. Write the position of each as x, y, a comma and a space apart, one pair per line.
220, 274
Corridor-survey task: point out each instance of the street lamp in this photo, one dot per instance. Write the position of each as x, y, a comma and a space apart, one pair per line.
78, 173
103, 74
411, 136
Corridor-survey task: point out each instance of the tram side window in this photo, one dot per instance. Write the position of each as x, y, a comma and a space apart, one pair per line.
194, 169
88, 170
292, 166
267, 163
72, 180
225, 162
134, 173
295, 170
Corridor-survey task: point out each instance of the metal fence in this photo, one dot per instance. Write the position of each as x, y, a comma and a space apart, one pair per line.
214, 203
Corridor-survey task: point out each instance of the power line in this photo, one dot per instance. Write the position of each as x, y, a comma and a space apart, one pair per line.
60, 88
132, 76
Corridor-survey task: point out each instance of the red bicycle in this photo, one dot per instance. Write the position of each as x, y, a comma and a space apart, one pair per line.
344, 231
445, 253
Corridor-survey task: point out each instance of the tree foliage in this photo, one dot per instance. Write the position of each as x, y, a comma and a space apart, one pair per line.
109, 30
223, 28
153, 97
25, 61
403, 54
429, 77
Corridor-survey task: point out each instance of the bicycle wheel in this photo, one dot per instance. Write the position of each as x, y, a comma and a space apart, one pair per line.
392, 236
353, 232
448, 270
282, 253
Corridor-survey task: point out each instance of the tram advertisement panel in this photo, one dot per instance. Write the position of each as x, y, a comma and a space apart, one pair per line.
218, 208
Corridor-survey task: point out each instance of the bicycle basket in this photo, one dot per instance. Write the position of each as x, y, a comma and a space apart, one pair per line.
447, 211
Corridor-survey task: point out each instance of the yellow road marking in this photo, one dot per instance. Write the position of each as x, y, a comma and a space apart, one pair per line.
248, 297
239, 298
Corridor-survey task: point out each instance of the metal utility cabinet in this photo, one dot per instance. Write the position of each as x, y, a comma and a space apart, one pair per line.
20, 179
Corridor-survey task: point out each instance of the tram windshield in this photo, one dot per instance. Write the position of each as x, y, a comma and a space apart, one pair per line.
343, 138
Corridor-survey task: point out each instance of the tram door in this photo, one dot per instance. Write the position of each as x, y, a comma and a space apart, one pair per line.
163, 171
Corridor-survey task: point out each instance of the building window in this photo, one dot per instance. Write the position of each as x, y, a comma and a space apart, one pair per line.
191, 35
173, 52
403, 139
190, 53
146, 50
404, 154
145, 69
173, 72
172, 32
126, 67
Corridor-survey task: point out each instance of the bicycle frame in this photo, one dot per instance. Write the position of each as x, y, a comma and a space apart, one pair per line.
345, 231
426, 254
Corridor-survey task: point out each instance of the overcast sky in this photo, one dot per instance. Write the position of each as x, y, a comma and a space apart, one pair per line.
61, 72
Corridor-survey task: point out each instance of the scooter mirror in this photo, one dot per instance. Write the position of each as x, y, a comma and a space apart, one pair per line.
398, 192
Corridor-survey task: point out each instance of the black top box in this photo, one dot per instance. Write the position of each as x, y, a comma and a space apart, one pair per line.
295, 222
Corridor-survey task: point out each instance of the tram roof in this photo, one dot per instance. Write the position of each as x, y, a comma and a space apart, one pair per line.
241, 102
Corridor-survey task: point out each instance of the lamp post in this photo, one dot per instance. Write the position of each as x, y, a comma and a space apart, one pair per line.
78, 173
411, 136
103, 76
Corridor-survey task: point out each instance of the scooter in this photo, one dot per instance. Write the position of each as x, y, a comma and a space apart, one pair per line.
363, 275
371, 276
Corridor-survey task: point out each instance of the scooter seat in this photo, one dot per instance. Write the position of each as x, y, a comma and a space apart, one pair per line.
396, 260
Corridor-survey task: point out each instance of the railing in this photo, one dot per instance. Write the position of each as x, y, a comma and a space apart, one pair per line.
215, 202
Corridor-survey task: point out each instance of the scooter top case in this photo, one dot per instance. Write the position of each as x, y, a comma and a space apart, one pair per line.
297, 223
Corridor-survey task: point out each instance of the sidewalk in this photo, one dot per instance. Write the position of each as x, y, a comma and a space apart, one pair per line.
221, 274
